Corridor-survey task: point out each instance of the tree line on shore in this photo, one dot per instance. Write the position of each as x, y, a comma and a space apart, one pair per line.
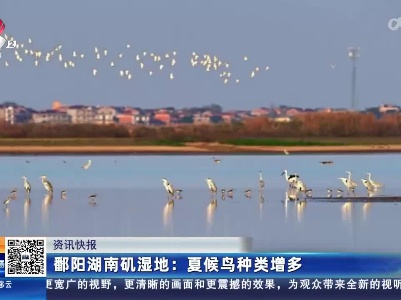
344, 124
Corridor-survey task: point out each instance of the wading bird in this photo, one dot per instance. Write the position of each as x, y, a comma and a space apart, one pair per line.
63, 195
351, 182
27, 185
211, 185
248, 193
261, 181
47, 185
375, 184
368, 185
291, 179
169, 187
6, 202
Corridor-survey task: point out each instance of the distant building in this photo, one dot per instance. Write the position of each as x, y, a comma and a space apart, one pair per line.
81, 114
105, 116
51, 116
163, 116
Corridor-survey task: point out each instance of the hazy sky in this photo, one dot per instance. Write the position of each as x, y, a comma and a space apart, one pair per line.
298, 40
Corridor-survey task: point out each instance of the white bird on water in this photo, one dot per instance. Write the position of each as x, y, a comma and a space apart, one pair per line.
27, 185
300, 186
375, 184
48, 186
369, 186
261, 181
87, 165
169, 187
351, 182
348, 182
292, 178
211, 185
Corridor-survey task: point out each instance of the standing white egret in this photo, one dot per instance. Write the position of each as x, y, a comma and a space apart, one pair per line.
211, 185
291, 179
369, 186
87, 165
300, 186
169, 187
352, 183
261, 181
375, 184
349, 184
47, 185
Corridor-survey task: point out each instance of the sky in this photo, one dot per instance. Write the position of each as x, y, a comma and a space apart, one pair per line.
298, 40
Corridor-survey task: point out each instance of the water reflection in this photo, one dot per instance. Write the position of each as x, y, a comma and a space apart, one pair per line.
47, 200
27, 205
167, 214
261, 203
346, 211
7, 213
211, 208
365, 210
300, 210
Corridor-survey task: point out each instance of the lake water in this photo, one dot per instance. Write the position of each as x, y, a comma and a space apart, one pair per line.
132, 200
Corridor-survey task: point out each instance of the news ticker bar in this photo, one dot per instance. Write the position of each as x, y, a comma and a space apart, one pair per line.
148, 244
236, 288
217, 265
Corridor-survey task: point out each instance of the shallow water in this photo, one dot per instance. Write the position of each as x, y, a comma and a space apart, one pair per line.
132, 201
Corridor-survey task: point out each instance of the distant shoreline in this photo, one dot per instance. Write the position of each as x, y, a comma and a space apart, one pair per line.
199, 149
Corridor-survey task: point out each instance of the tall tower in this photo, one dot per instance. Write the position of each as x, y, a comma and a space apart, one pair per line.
353, 54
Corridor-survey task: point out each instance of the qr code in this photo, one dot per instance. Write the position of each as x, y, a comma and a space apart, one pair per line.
25, 257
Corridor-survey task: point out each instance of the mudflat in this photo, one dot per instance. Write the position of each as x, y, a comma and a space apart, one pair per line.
195, 148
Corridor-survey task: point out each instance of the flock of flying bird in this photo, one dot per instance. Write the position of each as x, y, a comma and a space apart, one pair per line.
146, 61
296, 187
